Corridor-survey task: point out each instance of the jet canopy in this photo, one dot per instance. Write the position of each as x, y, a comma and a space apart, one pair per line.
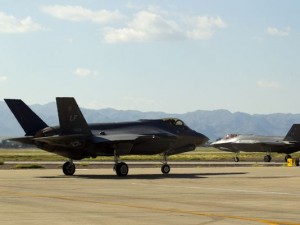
175, 122
229, 136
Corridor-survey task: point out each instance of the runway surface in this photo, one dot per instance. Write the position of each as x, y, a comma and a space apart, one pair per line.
213, 195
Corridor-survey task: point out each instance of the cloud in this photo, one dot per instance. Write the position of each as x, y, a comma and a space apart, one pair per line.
150, 24
83, 72
79, 13
202, 27
10, 24
3, 78
145, 26
268, 84
155, 25
276, 32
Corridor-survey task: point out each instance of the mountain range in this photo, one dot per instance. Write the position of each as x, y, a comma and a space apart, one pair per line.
213, 124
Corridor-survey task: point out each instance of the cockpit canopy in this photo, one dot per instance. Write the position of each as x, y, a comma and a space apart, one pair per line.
229, 136
175, 122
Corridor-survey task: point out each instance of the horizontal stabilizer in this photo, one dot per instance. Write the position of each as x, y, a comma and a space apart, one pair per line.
24, 140
71, 141
71, 119
29, 121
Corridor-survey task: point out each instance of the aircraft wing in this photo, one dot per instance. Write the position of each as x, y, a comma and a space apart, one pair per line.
130, 137
77, 140
264, 143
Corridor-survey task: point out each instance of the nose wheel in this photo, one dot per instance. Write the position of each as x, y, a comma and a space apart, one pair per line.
165, 168
121, 168
236, 158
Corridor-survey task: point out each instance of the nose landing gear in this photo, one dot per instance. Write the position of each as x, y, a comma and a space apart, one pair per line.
165, 168
121, 168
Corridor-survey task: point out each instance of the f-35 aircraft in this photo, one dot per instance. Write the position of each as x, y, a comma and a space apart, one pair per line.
251, 143
75, 139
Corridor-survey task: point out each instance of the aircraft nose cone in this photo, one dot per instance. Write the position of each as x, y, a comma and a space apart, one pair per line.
201, 139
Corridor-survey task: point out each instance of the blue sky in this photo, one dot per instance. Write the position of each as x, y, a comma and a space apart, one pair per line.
172, 56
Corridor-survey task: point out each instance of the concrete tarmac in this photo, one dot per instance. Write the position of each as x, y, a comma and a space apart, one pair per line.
214, 195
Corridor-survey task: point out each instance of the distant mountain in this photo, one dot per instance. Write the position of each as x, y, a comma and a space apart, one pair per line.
213, 124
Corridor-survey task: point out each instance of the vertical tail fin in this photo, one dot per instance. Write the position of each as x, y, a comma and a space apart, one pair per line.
293, 134
29, 121
71, 119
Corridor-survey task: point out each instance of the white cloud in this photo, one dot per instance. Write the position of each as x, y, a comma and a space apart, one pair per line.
11, 24
79, 13
150, 24
83, 72
146, 26
276, 32
202, 27
3, 78
268, 84
155, 25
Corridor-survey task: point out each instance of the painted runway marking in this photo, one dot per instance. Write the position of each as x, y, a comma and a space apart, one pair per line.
223, 189
157, 209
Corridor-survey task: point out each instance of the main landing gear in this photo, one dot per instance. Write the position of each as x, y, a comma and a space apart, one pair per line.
287, 157
165, 168
267, 158
69, 168
121, 168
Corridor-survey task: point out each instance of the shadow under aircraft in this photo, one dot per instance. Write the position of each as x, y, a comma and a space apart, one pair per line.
253, 143
75, 139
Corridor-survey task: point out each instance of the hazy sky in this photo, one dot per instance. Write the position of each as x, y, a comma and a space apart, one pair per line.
172, 56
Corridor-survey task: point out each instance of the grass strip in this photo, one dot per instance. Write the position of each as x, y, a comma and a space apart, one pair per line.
200, 154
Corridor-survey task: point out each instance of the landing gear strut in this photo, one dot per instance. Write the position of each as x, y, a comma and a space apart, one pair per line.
165, 168
121, 168
236, 158
69, 168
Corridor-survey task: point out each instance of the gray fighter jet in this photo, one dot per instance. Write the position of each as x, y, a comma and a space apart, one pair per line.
75, 139
251, 143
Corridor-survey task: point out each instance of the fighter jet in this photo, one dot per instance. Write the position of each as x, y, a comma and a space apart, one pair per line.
75, 139
252, 143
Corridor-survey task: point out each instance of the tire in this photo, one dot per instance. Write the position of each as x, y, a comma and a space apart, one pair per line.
287, 157
165, 169
69, 168
122, 169
267, 158
297, 162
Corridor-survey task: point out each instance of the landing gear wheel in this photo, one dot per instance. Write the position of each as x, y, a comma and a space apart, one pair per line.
267, 158
287, 157
236, 159
122, 169
69, 168
165, 169
297, 162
